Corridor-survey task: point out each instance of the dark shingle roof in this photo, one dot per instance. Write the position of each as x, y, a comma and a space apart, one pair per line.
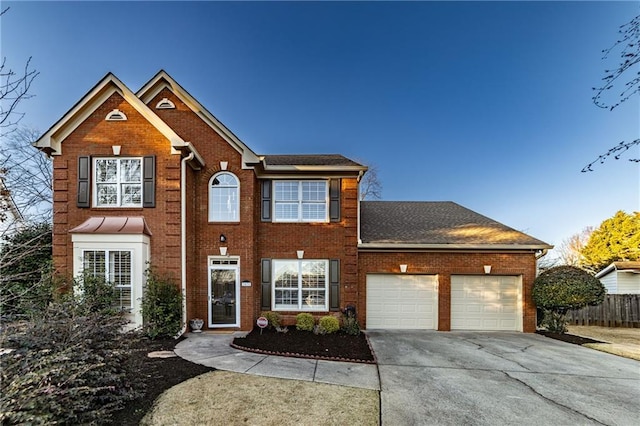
309, 160
426, 223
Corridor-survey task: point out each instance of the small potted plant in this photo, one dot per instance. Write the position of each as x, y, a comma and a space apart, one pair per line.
196, 325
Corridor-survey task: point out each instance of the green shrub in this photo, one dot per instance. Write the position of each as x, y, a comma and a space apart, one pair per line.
161, 307
95, 295
305, 321
562, 288
274, 318
69, 366
329, 324
349, 322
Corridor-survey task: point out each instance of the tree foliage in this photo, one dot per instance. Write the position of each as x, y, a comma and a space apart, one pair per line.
25, 260
627, 49
616, 239
562, 288
161, 306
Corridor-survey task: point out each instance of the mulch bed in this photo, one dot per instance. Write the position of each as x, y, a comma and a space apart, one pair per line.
569, 338
156, 375
337, 346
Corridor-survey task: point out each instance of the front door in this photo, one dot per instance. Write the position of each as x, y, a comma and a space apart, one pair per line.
224, 293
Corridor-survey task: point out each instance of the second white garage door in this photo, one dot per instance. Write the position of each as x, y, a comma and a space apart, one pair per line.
481, 302
402, 301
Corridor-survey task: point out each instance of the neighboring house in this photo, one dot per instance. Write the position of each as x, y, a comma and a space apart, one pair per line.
153, 176
11, 220
621, 277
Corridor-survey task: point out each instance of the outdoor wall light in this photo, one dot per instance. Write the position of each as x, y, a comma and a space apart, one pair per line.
300, 254
223, 239
403, 268
487, 269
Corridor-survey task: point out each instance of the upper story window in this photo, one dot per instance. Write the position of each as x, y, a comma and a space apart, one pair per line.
300, 201
118, 182
224, 198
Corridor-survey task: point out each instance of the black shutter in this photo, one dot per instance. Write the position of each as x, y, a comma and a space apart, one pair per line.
266, 201
334, 284
334, 200
84, 187
265, 284
149, 181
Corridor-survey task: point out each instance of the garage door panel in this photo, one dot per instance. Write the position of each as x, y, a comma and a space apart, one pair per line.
485, 302
401, 301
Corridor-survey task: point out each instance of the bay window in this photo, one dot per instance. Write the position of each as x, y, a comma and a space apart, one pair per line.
115, 267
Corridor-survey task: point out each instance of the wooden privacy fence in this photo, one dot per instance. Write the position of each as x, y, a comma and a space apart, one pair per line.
617, 310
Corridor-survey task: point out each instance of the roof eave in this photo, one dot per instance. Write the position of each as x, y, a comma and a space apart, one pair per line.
457, 247
162, 80
51, 141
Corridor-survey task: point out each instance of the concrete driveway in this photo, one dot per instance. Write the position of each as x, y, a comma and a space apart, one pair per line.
499, 378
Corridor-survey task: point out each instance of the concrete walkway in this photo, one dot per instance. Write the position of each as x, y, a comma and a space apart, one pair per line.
213, 350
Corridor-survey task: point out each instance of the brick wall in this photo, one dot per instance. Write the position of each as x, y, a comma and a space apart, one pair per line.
444, 265
137, 137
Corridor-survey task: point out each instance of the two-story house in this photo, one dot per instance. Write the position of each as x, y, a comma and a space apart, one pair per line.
153, 178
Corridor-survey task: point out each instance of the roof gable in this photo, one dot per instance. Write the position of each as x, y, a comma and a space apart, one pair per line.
51, 140
163, 80
406, 224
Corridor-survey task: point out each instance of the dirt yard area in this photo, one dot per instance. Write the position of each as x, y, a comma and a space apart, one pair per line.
619, 341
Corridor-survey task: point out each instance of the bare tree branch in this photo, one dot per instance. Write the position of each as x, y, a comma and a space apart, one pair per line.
27, 175
370, 185
627, 47
14, 88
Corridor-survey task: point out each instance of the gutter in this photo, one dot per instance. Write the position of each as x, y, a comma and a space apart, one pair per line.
423, 246
542, 254
183, 238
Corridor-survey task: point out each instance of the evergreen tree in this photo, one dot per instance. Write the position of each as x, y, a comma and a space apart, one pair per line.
617, 238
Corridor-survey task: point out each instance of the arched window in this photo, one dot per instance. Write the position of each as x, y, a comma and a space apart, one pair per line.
224, 198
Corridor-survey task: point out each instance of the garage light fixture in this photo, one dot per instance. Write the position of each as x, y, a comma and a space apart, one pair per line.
403, 268
487, 269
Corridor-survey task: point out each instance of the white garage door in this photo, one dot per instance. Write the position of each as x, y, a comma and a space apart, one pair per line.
402, 301
486, 303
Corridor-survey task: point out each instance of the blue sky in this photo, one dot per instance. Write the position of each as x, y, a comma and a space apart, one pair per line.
487, 104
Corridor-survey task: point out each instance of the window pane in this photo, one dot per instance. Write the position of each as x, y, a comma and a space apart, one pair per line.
286, 191
314, 191
314, 274
285, 273
314, 211
224, 200
106, 170
131, 195
107, 195
313, 299
94, 263
286, 211
120, 268
130, 170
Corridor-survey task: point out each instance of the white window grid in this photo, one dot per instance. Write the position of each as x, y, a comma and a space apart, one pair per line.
117, 270
301, 201
118, 182
224, 198
300, 285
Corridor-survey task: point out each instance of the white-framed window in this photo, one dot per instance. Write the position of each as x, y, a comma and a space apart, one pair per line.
115, 267
224, 198
300, 201
117, 182
300, 285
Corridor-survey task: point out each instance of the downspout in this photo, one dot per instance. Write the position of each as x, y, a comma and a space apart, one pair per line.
542, 254
183, 238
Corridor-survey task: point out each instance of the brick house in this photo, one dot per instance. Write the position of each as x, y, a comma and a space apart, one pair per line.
153, 178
